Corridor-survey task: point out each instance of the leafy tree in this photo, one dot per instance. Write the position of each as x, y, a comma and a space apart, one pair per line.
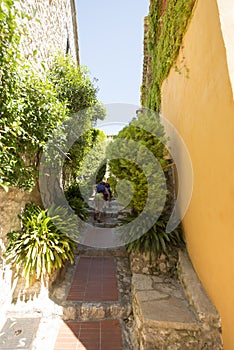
74, 87
32, 106
93, 166
94, 156
138, 155
134, 147
72, 83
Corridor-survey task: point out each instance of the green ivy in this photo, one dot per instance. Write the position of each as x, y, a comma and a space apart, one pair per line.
166, 30
76, 201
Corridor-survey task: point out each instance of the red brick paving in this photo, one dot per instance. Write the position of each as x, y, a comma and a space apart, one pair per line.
97, 335
94, 280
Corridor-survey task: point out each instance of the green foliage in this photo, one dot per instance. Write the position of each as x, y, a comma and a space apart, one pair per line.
166, 30
95, 156
40, 248
73, 85
101, 172
133, 154
10, 34
156, 240
32, 106
29, 114
29, 108
88, 149
126, 157
76, 202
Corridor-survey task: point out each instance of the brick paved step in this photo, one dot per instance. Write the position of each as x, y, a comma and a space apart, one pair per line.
95, 288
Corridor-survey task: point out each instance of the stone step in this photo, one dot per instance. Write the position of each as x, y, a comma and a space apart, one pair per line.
167, 318
120, 307
84, 250
109, 212
95, 311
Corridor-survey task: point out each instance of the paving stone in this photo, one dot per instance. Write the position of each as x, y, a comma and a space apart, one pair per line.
142, 282
18, 333
167, 310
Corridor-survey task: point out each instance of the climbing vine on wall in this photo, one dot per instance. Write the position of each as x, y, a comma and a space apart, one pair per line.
167, 22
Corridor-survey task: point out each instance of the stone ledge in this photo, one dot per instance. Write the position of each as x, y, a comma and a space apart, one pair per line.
173, 313
162, 302
195, 292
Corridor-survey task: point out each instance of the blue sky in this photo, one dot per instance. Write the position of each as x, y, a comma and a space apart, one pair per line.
111, 46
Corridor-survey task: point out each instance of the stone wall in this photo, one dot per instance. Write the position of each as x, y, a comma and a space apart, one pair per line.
11, 204
51, 29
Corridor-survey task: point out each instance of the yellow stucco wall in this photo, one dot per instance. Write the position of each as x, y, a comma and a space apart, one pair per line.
201, 107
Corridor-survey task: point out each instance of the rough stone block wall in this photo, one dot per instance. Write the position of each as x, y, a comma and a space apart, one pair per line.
11, 204
51, 29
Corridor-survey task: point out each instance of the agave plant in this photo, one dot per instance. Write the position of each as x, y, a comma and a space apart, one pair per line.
40, 248
155, 241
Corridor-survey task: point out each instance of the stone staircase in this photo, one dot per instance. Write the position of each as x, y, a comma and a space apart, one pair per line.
110, 214
117, 305
170, 312
160, 311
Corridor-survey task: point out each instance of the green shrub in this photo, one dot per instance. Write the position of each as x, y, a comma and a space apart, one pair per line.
76, 202
33, 105
132, 156
40, 248
138, 147
156, 240
72, 83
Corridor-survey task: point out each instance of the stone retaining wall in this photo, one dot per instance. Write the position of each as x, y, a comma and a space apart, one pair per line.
174, 313
165, 264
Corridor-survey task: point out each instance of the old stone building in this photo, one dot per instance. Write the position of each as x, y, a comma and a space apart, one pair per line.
52, 28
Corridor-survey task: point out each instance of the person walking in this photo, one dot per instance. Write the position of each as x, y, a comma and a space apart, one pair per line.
99, 200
